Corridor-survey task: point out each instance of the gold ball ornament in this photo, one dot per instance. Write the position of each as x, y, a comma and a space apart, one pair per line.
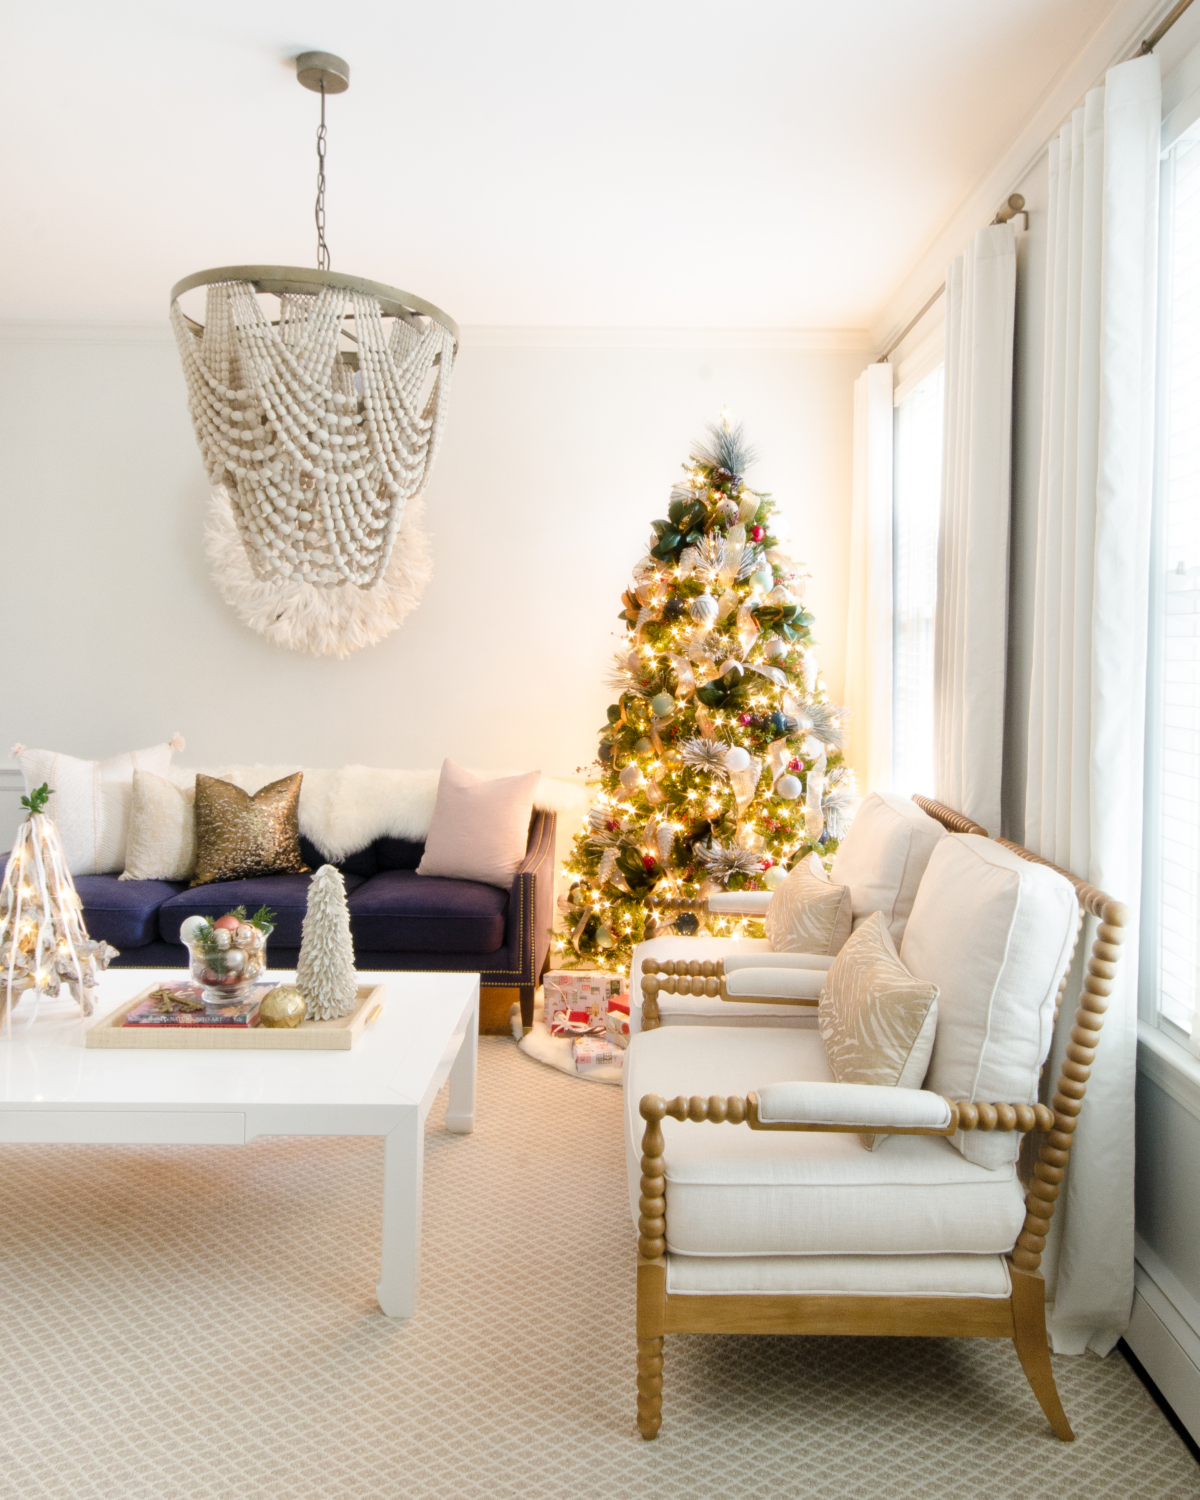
282, 1006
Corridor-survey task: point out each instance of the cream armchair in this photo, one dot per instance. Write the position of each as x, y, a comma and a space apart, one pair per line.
779, 1221
881, 861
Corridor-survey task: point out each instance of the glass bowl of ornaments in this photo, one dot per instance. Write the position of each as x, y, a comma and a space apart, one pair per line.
228, 953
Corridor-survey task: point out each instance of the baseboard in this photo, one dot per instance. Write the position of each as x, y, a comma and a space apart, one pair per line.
1165, 1343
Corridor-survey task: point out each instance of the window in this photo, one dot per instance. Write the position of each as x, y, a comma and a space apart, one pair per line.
917, 499
1173, 823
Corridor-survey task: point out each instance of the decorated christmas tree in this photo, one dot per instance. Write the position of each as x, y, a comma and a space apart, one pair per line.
325, 972
720, 765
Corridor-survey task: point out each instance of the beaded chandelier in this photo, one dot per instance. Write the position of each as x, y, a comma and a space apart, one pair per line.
317, 425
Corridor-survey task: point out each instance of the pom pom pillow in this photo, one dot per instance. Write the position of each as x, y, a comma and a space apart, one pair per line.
239, 836
807, 913
91, 800
480, 829
876, 1019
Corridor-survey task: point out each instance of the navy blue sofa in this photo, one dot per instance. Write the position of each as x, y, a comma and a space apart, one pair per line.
398, 919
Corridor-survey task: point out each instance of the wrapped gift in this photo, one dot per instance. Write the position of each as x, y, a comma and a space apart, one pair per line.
616, 1022
576, 992
593, 1053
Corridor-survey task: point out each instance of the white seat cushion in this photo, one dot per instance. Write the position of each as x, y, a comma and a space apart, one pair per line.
994, 933
869, 1275
883, 857
732, 1191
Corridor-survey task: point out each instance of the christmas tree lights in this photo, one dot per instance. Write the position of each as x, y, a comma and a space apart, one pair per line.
721, 762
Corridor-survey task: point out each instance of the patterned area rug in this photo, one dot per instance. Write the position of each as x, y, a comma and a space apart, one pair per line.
200, 1324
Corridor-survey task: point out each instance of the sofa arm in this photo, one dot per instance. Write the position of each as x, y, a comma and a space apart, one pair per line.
531, 908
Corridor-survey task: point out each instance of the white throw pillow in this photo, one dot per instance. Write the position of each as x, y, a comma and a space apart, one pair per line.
877, 1019
91, 800
994, 933
162, 830
807, 913
480, 829
883, 857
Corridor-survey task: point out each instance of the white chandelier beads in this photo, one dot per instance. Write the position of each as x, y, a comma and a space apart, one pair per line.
319, 461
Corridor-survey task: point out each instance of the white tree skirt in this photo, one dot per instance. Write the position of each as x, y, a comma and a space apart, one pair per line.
555, 1051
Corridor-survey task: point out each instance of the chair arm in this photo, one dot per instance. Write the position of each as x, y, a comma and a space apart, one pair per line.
851, 1106
815, 1108
530, 905
740, 903
776, 985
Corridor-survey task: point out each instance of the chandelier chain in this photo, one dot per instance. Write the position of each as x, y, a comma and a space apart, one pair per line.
319, 214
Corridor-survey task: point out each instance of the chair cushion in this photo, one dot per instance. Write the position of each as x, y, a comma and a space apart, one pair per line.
883, 857
869, 1275
403, 911
286, 895
994, 933
124, 912
876, 1019
732, 1191
807, 912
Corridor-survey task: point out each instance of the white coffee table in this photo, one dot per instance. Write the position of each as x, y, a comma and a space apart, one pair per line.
53, 1089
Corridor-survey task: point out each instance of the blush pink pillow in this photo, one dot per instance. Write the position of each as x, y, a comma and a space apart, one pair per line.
480, 829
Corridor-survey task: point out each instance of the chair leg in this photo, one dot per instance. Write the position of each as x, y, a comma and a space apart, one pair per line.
526, 994
1033, 1349
649, 1387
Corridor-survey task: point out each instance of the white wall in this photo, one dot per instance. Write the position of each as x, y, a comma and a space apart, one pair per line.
555, 461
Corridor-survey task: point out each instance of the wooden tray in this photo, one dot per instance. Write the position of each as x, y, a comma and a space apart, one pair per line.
309, 1036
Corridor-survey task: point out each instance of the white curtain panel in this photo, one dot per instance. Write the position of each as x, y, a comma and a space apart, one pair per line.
869, 624
1088, 690
969, 633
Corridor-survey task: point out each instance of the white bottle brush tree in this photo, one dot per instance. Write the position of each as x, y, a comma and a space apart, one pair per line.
325, 974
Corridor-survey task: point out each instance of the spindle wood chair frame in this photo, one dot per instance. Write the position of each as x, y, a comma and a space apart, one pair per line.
1021, 1316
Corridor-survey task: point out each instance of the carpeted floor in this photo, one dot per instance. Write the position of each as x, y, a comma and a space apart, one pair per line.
201, 1324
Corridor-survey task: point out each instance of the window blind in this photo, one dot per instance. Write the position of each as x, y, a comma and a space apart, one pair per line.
917, 492
1175, 739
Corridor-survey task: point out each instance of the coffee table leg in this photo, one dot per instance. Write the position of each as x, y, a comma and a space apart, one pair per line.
403, 1174
460, 1106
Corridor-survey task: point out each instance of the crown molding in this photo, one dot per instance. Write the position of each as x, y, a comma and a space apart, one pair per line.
825, 340
487, 336
1113, 38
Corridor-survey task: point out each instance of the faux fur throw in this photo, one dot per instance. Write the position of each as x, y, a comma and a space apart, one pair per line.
344, 811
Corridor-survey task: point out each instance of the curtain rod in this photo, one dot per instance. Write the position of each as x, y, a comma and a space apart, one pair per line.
1162, 28
1015, 204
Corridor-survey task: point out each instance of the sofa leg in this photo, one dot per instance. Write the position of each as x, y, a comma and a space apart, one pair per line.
526, 992
1033, 1349
649, 1387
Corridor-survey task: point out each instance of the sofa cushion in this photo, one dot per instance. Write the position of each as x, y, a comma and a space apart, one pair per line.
883, 858
834, 1275
480, 827
364, 862
994, 933
733, 1191
286, 895
401, 911
397, 854
124, 912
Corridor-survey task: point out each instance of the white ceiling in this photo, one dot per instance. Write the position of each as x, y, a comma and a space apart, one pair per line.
641, 163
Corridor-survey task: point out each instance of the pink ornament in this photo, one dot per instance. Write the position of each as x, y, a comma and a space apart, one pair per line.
648, 861
228, 921
758, 533
744, 719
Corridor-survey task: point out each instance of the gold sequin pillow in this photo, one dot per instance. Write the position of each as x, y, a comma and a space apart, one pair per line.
808, 913
239, 836
876, 1019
